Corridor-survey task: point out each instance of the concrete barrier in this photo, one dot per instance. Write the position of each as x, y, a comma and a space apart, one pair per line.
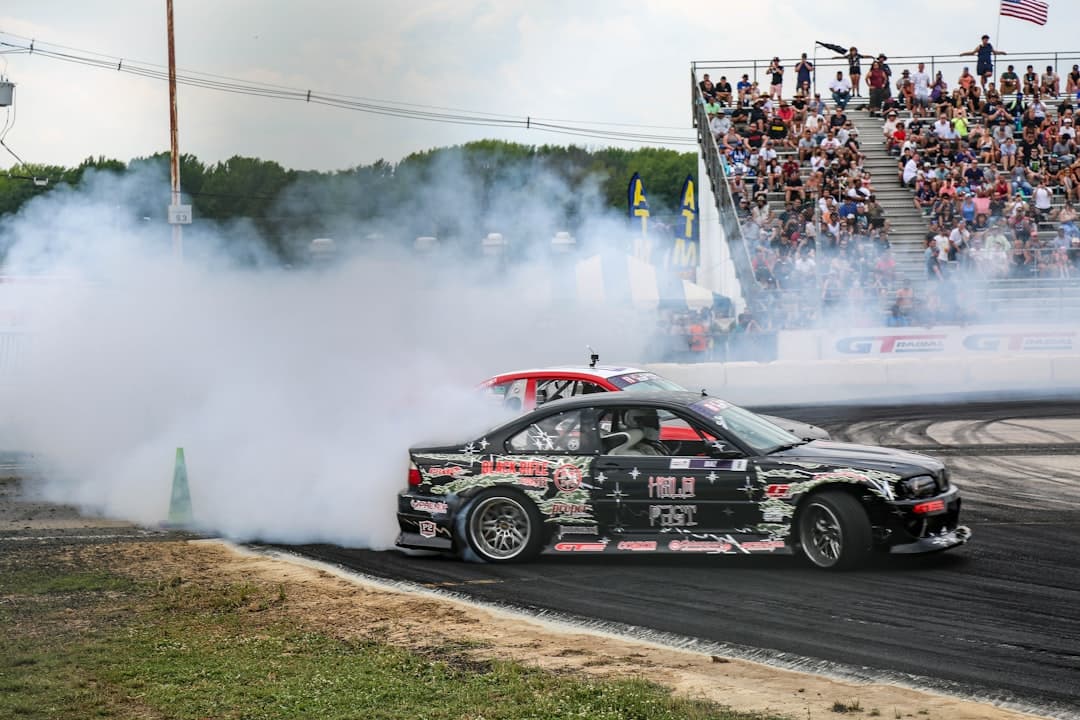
694, 376
1016, 372
863, 379
938, 372
1065, 370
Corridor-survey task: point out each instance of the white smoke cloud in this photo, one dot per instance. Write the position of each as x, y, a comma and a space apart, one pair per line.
295, 393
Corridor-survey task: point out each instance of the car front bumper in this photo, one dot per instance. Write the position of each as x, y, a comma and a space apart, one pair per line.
933, 543
927, 524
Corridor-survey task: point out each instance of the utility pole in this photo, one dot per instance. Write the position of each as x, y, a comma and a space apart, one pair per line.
179, 215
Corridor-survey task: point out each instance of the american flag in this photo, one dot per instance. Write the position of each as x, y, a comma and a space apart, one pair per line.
1031, 10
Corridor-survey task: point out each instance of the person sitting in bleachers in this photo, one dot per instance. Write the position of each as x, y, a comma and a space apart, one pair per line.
841, 90
1009, 81
1050, 83
722, 92
799, 106
993, 111
707, 89
743, 87
1064, 150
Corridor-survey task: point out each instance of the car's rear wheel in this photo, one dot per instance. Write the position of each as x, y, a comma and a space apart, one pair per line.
834, 531
503, 526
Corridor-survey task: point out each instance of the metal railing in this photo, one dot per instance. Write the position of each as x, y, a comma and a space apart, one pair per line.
725, 203
825, 67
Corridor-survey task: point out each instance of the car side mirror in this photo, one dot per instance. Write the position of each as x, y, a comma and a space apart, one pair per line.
541, 397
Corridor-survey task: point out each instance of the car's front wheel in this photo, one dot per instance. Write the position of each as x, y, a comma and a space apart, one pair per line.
834, 531
503, 526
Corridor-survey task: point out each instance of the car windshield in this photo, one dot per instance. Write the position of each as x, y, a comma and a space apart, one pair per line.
752, 429
644, 381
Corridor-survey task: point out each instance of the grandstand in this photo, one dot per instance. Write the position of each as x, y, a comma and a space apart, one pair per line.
882, 251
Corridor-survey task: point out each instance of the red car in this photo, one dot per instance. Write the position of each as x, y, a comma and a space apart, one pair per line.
525, 390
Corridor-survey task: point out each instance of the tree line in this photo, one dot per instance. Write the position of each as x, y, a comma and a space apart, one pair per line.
450, 192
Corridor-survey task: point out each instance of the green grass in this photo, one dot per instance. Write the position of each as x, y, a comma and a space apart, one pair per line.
80, 642
34, 581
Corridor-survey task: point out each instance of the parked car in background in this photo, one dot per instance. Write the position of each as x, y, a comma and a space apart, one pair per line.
525, 390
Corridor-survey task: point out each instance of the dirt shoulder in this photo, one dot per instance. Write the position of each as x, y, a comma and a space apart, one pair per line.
349, 607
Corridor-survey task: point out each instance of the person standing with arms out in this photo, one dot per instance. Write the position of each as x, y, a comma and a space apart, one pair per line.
985, 64
854, 67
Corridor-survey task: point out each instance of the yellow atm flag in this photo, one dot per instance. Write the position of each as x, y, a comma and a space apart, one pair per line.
639, 204
684, 253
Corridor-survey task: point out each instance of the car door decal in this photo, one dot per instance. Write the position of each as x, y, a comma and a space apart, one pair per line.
556, 483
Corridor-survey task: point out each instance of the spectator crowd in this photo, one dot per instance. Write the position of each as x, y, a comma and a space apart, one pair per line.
992, 164
817, 235
993, 167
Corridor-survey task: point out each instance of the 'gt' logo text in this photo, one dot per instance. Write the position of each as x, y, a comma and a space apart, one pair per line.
890, 344
1021, 341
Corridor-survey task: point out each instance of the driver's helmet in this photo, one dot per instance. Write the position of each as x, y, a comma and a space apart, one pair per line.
644, 419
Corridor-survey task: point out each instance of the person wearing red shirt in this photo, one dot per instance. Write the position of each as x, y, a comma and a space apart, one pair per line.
785, 112
899, 136
1001, 187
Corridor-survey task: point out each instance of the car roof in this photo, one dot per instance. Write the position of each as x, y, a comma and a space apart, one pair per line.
680, 398
600, 371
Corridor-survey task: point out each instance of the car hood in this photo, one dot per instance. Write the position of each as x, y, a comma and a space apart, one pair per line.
872, 457
801, 430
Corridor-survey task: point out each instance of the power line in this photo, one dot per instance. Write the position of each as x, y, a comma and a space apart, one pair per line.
387, 108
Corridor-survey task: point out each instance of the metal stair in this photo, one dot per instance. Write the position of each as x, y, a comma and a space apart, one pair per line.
908, 224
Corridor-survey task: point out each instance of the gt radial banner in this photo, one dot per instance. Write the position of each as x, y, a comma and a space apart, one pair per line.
684, 251
990, 339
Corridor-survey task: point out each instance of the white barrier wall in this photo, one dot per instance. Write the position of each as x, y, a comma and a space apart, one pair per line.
817, 381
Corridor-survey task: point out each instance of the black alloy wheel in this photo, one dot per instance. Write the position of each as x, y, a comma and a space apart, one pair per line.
503, 526
834, 531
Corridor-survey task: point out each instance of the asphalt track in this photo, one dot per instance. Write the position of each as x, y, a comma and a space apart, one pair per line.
998, 619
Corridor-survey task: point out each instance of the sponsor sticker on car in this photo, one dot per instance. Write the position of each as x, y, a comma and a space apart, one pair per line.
567, 477
435, 507
580, 546
699, 546
637, 545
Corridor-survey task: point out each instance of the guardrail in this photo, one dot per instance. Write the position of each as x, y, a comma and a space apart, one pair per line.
828, 61
725, 203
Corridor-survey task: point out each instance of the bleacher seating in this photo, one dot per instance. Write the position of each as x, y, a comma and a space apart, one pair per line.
806, 269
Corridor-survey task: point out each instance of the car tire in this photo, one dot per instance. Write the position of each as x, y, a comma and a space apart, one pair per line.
834, 531
503, 526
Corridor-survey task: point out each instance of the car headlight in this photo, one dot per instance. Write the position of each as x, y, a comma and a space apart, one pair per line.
917, 487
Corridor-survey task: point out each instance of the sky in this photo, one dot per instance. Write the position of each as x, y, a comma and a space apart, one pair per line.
600, 61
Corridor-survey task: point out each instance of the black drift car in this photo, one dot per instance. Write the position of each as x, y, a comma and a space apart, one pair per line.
590, 475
